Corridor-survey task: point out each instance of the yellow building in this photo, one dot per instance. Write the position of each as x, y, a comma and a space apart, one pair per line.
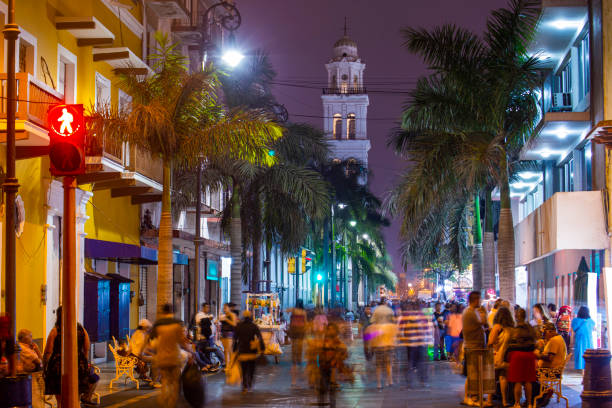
70, 51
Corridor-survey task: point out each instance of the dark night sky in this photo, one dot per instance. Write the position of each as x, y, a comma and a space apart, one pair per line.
299, 35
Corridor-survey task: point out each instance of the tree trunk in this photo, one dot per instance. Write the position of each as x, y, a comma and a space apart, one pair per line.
236, 249
488, 247
164, 264
477, 254
505, 242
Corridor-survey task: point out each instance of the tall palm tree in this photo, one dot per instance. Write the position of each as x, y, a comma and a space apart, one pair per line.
177, 117
481, 100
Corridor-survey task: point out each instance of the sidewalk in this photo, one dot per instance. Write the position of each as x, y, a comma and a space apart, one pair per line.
273, 388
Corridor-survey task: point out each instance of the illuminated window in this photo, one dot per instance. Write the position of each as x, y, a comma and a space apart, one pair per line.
337, 126
350, 126
103, 92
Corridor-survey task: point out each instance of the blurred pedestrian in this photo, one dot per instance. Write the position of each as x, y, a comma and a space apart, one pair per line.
493, 311
52, 362
564, 323
552, 311
499, 338
583, 327
169, 337
414, 335
330, 353
439, 332
138, 342
248, 344
521, 359
454, 326
540, 317
474, 325
30, 362
229, 321
297, 332
381, 336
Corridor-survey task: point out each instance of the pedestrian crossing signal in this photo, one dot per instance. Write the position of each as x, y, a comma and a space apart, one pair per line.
66, 124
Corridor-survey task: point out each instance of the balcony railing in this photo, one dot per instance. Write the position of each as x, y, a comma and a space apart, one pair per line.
97, 146
141, 162
33, 98
344, 91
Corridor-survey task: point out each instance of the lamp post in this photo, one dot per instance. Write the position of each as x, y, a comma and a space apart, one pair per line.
230, 20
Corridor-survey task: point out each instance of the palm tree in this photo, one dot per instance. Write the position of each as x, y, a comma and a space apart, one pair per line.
177, 117
481, 101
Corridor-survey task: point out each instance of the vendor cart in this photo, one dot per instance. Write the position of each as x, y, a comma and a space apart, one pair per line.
265, 308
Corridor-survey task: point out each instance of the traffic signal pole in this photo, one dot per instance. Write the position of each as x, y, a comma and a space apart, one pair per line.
70, 383
10, 187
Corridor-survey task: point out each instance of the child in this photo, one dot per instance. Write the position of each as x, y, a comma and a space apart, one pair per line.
564, 320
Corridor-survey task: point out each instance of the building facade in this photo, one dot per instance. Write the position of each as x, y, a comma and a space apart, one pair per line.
561, 211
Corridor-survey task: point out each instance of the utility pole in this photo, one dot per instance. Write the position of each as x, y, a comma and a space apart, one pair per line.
10, 187
333, 261
70, 383
198, 239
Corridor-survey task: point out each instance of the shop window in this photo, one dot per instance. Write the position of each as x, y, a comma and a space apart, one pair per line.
337, 126
350, 126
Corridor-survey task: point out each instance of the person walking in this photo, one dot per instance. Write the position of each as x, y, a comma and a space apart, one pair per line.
229, 321
414, 335
521, 359
169, 337
249, 344
454, 326
381, 336
499, 338
330, 353
297, 332
583, 327
439, 332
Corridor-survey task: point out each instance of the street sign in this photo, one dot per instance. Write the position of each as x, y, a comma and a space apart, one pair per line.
212, 272
66, 125
291, 265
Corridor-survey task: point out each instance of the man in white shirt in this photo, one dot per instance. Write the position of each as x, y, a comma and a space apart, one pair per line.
207, 325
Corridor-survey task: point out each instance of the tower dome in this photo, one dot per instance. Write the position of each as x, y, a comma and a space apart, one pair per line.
345, 47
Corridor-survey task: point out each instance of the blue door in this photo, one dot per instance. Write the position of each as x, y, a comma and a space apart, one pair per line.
124, 310
103, 310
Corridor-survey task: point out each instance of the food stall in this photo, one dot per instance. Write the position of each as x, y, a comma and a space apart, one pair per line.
265, 308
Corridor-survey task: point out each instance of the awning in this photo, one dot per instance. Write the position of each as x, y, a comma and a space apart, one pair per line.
179, 259
120, 278
127, 253
119, 252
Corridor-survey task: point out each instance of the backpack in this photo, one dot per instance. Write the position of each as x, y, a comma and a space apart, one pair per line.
206, 327
297, 325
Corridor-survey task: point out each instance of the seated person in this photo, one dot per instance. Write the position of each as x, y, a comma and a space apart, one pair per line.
555, 351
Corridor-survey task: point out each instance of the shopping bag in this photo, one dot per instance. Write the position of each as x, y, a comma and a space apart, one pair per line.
194, 385
232, 373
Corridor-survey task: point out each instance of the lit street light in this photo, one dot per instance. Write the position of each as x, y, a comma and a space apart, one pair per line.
352, 223
232, 57
365, 236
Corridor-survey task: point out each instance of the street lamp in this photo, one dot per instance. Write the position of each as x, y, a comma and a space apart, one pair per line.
229, 18
352, 223
232, 57
365, 236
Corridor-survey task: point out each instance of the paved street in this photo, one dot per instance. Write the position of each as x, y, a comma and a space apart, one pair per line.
273, 389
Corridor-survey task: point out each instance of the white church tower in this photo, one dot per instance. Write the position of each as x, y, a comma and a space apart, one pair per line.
345, 103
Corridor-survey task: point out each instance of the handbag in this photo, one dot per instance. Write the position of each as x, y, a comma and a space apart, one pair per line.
232, 374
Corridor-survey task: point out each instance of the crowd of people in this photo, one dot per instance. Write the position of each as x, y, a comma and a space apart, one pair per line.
509, 346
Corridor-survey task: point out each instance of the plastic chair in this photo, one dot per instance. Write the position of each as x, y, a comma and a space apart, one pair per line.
124, 366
